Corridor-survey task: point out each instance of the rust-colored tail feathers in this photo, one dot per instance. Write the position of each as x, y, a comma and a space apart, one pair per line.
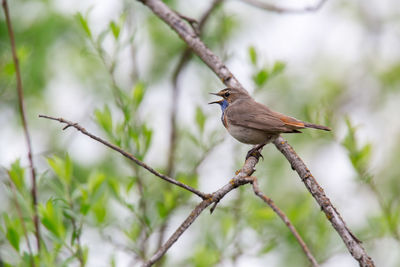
316, 126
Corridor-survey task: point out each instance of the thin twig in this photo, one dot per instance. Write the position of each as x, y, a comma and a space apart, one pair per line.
127, 155
352, 243
286, 10
24, 121
286, 220
198, 47
21, 218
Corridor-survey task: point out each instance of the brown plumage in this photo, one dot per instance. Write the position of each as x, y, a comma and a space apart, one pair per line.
253, 123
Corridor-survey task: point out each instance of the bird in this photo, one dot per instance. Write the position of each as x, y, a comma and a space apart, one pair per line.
253, 123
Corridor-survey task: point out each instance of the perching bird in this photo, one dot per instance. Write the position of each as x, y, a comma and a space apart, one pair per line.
253, 123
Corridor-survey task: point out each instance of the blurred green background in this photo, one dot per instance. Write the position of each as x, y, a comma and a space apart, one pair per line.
113, 67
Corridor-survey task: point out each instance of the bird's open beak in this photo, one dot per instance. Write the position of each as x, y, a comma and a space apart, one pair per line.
216, 102
217, 94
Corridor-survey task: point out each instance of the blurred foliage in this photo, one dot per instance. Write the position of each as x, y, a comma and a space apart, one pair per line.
110, 204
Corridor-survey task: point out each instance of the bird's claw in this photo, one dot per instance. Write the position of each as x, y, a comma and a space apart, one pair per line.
254, 153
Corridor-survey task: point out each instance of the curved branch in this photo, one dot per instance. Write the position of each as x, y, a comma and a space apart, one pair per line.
351, 242
127, 155
287, 10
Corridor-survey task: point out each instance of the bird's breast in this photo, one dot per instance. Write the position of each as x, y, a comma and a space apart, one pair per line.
248, 135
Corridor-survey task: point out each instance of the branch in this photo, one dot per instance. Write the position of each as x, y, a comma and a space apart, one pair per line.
286, 220
187, 34
127, 155
351, 242
278, 9
24, 122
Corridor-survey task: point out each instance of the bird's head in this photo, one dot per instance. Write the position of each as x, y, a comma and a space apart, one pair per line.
230, 95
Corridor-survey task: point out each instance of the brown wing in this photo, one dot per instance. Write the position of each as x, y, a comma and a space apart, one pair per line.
251, 114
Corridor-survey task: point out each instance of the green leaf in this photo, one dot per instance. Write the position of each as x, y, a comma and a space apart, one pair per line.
114, 186
268, 247
17, 175
359, 157
9, 68
51, 218
104, 118
84, 24
349, 141
115, 29
391, 77
168, 203
100, 209
278, 67
95, 181
147, 135
205, 256
134, 231
261, 77
253, 55
85, 201
138, 94
200, 119
12, 233
62, 168
162, 210
189, 179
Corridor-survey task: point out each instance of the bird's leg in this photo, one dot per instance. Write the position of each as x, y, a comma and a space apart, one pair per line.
255, 151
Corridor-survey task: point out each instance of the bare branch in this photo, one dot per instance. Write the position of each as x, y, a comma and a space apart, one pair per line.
287, 10
351, 242
127, 155
24, 121
286, 220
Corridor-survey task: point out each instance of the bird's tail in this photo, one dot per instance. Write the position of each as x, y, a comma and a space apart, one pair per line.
316, 126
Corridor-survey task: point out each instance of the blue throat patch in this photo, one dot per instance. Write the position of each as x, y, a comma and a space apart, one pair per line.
224, 104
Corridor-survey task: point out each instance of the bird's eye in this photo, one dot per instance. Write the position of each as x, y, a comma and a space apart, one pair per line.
227, 94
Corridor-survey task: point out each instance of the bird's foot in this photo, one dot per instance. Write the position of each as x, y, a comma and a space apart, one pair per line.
254, 152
